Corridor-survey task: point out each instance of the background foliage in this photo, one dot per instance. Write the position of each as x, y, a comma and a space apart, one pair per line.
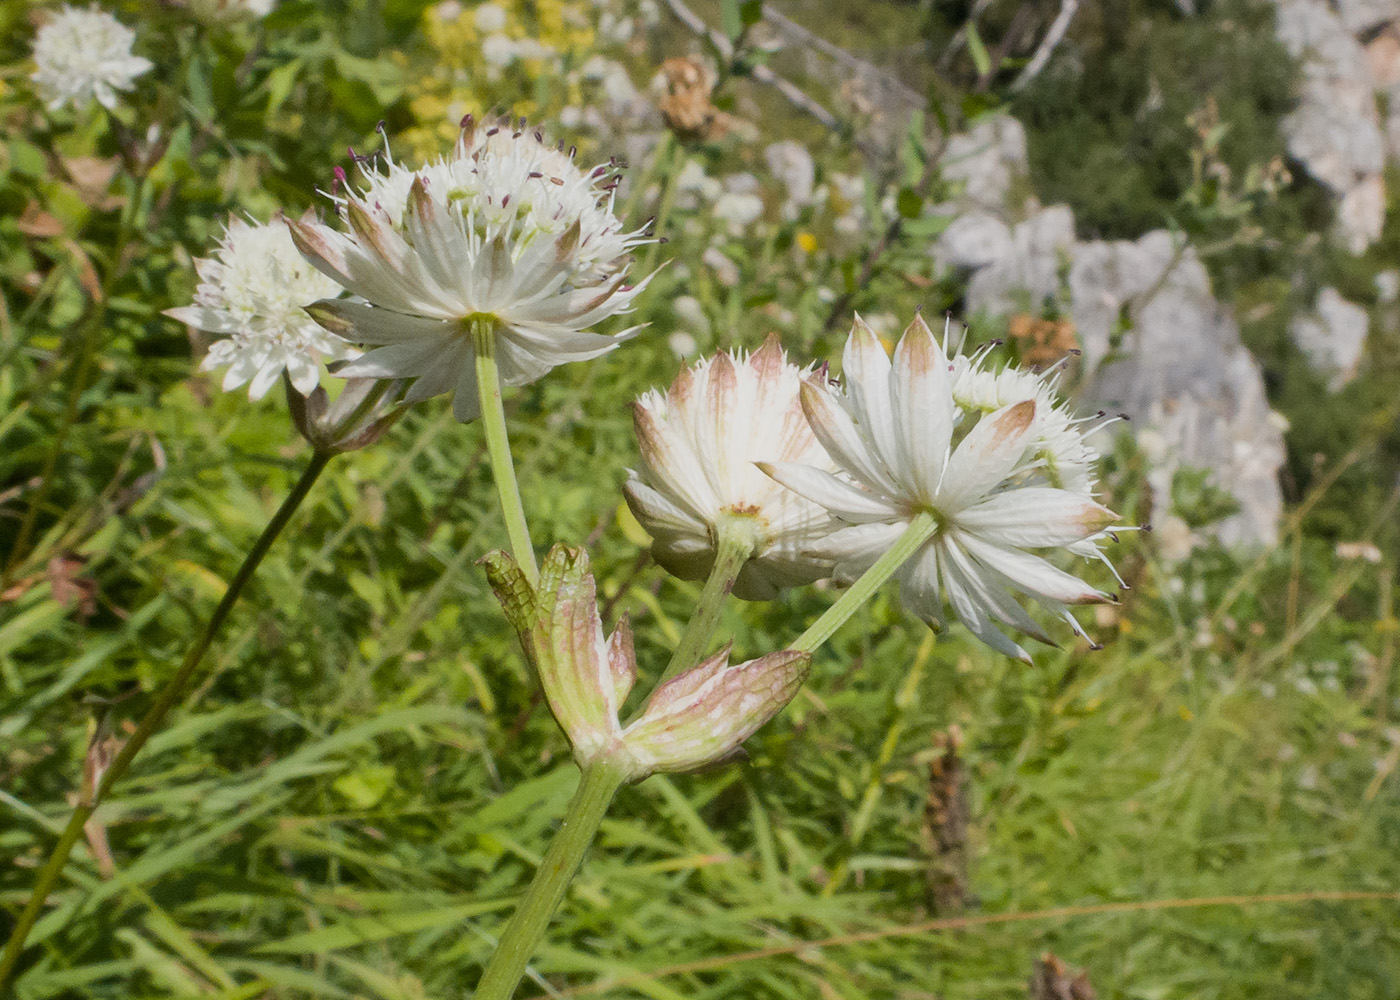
365, 777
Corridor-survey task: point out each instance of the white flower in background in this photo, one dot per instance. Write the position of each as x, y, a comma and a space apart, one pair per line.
216, 12
906, 446
847, 197
616, 29
616, 81
794, 167
738, 209
694, 186
699, 442
682, 344
698, 718
82, 55
506, 230
725, 270
253, 291
690, 312
498, 51
489, 18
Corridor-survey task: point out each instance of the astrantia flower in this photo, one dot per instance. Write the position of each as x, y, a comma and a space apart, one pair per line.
84, 54
906, 446
506, 231
254, 290
699, 442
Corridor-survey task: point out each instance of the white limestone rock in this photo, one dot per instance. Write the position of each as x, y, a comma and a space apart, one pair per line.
1333, 337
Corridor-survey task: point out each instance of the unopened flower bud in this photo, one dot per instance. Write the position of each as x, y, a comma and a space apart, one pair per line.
365, 409
585, 678
698, 718
703, 715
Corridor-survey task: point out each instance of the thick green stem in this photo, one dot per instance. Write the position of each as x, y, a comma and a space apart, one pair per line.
493, 419
527, 925
735, 544
168, 697
920, 530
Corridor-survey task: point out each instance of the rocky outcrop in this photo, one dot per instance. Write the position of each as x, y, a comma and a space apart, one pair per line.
1335, 132
1332, 337
1363, 17
1157, 344
1181, 371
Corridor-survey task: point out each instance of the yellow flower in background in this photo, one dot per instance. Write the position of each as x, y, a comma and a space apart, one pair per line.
521, 54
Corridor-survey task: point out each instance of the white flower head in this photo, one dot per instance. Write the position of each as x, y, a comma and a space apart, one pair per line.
507, 230
82, 55
254, 291
699, 444
489, 18
794, 167
905, 445
222, 12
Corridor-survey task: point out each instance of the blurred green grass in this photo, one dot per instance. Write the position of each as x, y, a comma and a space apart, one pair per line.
365, 777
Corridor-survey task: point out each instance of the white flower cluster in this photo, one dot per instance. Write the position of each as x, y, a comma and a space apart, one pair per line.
82, 55
989, 459
253, 291
508, 230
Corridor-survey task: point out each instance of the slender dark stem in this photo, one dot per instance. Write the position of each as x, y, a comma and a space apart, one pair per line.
168, 697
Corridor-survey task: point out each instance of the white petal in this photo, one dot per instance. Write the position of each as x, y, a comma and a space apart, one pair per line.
838, 434
845, 501
990, 452
442, 376
264, 380
851, 551
304, 373
865, 368
366, 324
920, 589
1036, 517
1030, 574
923, 409
972, 613
202, 318
990, 590
658, 514
406, 360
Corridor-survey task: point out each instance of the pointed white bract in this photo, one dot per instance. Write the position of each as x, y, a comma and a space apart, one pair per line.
699, 442
507, 230
1001, 467
253, 291
82, 55
691, 721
